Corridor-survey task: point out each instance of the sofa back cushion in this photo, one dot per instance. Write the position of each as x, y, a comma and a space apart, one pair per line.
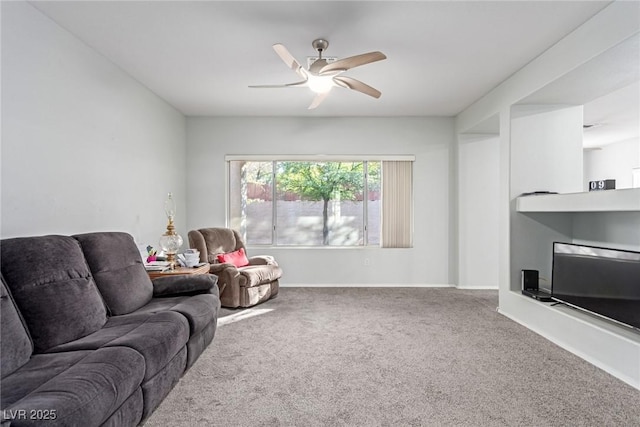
116, 265
15, 344
52, 287
214, 241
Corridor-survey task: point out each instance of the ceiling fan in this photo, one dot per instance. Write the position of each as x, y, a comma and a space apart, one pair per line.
322, 75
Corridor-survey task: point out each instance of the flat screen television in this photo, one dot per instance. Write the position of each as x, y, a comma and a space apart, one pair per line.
602, 281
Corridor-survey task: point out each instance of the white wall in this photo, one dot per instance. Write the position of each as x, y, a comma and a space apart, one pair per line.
84, 146
546, 144
546, 155
478, 180
611, 348
612, 161
619, 230
429, 139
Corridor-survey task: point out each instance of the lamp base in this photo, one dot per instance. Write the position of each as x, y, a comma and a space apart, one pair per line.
170, 243
171, 259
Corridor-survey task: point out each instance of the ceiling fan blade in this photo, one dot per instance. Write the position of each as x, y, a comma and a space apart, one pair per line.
296, 84
318, 100
352, 62
351, 83
288, 59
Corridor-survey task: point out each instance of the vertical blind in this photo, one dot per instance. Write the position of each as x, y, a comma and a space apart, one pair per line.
397, 199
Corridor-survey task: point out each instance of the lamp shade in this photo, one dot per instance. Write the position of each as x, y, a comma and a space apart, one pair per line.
320, 84
170, 207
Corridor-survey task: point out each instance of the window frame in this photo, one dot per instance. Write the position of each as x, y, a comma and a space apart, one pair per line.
306, 158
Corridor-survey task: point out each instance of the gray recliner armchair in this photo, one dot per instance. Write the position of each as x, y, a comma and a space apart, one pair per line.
240, 286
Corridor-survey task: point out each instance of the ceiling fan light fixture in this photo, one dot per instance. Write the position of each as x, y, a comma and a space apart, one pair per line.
320, 84
322, 75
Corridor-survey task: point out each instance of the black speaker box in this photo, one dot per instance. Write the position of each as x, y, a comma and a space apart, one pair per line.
530, 279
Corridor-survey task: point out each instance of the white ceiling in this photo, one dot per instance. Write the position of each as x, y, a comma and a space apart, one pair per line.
614, 117
201, 56
608, 87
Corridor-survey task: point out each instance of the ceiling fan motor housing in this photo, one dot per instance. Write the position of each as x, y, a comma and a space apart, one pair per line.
320, 45
312, 59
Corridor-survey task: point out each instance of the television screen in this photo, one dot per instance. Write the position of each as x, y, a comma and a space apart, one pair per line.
602, 281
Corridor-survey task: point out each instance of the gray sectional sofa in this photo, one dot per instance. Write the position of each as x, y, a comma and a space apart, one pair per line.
87, 339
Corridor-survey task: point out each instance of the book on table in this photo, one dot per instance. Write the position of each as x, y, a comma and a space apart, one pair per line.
156, 266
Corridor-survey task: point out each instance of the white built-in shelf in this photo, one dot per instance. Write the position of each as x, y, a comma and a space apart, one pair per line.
625, 200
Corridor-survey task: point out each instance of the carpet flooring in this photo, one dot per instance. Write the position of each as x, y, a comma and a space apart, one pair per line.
389, 357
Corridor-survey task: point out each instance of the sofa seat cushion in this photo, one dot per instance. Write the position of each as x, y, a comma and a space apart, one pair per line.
199, 310
53, 289
157, 336
37, 371
259, 274
129, 413
75, 388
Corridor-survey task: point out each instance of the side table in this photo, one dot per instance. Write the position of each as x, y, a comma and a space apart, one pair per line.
203, 269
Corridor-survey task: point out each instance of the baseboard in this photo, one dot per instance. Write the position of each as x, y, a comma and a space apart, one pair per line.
386, 285
363, 285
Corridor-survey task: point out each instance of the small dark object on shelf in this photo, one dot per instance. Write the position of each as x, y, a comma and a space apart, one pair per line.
534, 193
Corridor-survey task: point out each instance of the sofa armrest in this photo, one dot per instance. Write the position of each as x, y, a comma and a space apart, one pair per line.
220, 267
185, 284
262, 260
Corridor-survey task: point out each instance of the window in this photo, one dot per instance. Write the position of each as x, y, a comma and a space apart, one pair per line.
302, 202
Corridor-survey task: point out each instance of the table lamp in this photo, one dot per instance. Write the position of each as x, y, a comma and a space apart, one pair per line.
170, 241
